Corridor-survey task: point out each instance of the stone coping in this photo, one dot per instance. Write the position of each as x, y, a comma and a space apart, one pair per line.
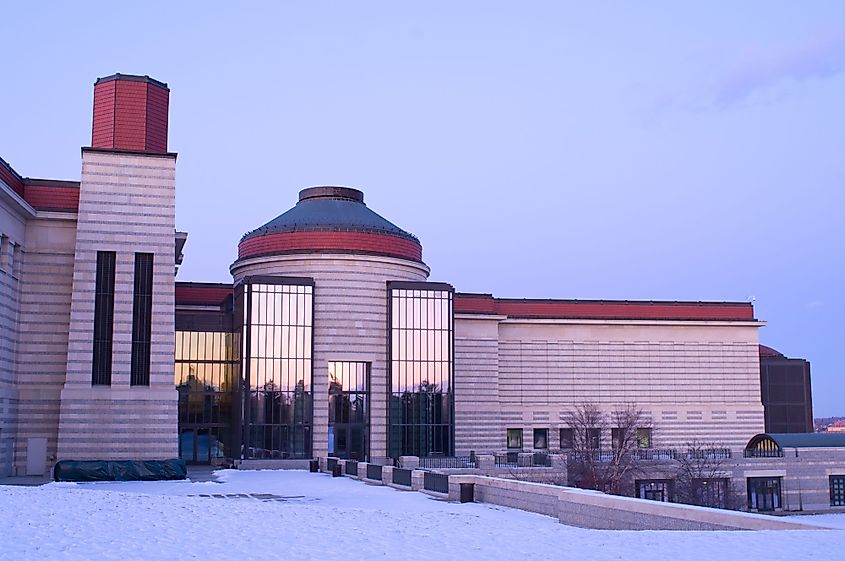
586, 508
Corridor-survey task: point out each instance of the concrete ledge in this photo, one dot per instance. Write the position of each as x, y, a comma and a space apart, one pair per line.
591, 509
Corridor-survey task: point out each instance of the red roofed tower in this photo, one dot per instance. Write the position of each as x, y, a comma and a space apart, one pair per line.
130, 113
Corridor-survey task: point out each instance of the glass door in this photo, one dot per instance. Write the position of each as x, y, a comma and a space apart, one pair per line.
764, 493
348, 409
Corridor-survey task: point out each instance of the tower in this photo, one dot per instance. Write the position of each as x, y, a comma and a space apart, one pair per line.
118, 400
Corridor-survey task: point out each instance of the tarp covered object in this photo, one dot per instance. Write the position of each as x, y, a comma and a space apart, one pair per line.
119, 470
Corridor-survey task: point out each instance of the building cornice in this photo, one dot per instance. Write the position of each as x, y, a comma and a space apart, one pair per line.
57, 215
674, 322
241, 263
480, 317
17, 202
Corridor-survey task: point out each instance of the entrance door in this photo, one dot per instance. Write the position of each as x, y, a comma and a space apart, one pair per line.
348, 409
36, 456
194, 446
654, 489
764, 493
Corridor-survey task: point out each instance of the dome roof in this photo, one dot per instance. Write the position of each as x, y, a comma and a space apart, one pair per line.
332, 209
330, 220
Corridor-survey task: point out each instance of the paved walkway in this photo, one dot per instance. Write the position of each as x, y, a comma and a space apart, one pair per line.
29, 480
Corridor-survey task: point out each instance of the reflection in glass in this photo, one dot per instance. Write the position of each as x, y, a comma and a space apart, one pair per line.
421, 372
348, 396
278, 329
206, 377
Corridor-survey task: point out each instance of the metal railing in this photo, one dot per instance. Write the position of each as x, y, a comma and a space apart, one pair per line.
710, 454
447, 462
506, 459
653, 454
437, 482
351, 467
331, 464
374, 471
517, 460
541, 459
766, 453
402, 477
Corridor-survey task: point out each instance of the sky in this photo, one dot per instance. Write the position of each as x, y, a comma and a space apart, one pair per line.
649, 150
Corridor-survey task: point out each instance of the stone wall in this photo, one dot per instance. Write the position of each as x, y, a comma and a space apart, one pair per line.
806, 476
127, 205
692, 379
585, 509
478, 424
13, 216
44, 323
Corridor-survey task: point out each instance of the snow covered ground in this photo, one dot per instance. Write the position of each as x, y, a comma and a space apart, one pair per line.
298, 515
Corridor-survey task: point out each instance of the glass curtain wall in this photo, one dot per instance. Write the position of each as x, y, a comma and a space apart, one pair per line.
277, 328
348, 409
421, 369
207, 364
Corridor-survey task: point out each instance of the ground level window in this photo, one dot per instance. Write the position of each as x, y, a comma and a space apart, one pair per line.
567, 439
764, 493
515, 438
837, 490
541, 439
654, 489
593, 439
712, 492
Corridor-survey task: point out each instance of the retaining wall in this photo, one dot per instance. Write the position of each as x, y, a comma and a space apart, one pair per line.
587, 509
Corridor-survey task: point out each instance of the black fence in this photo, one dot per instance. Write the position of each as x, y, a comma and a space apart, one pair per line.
541, 459
402, 477
374, 472
331, 464
437, 482
653, 454
517, 460
351, 467
447, 462
757, 453
710, 454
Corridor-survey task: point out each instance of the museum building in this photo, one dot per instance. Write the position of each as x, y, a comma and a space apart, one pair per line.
331, 338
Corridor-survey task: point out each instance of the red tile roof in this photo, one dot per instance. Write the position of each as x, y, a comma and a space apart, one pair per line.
52, 195
42, 194
202, 293
770, 352
602, 309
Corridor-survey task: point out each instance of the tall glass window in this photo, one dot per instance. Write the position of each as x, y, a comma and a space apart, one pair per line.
207, 364
103, 318
277, 328
348, 409
421, 366
142, 313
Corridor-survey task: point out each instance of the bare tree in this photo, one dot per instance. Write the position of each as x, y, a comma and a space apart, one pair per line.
702, 475
611, 470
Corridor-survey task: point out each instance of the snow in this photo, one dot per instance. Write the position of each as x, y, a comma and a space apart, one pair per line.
824, 520
315, 516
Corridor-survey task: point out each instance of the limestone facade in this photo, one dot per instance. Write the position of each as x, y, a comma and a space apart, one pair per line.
692, 379
14, 212
126, 205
